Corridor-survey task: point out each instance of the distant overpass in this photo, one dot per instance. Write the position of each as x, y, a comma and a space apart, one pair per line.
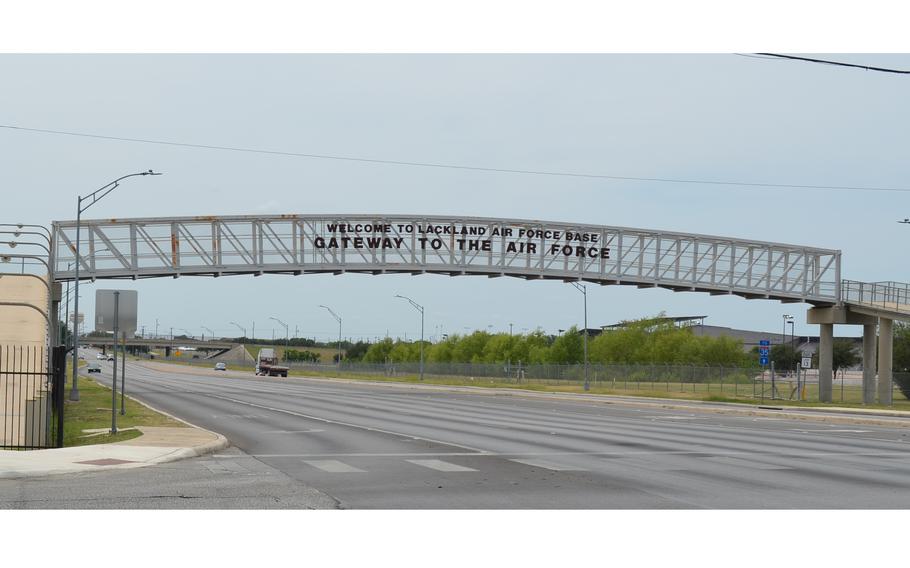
494, 247
171, 343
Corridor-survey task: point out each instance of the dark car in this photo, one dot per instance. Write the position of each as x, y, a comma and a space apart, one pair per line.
93, 368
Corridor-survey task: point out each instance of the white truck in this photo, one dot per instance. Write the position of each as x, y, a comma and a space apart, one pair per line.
267, 364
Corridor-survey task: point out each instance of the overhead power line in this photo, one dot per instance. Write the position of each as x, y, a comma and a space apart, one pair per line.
742, 184
838, 63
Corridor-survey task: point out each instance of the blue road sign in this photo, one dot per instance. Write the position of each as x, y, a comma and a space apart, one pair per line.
764, 342
763, 361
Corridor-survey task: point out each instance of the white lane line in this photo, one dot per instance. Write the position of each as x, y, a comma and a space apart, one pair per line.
677, 417
549, 465
333, 466
748, 464
310, 431
440, 465
835, 431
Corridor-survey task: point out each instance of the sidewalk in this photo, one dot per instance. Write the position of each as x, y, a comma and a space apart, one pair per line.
156, 445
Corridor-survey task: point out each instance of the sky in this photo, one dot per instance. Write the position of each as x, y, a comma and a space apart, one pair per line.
723, 117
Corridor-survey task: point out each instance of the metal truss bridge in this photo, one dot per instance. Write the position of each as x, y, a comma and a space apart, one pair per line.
389, 244
301, 244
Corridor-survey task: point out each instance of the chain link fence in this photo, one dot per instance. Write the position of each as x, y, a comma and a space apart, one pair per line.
650, 379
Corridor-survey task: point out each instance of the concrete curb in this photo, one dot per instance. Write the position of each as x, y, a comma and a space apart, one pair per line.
83, 453
203, 451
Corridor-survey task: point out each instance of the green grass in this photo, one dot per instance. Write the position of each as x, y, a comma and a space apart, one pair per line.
93, 410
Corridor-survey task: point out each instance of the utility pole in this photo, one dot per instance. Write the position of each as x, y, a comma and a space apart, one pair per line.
116, 355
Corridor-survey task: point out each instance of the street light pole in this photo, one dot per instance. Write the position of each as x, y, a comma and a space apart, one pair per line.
211, 333
287, 337
584, 291
94, 197
337, 317
241, 328
419, 308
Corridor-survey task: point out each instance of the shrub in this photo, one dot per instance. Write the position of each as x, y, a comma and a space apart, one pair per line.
903, 383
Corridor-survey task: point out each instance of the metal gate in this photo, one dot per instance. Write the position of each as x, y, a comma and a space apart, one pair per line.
31, 397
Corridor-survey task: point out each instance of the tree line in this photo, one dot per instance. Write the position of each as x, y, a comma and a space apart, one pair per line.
650, 340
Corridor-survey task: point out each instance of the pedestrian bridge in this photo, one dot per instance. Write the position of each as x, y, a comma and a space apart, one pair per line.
300, 244
493, 247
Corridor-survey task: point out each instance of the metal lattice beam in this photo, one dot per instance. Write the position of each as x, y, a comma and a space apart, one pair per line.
297, 244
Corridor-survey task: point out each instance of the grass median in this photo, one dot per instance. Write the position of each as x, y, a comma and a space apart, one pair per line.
749, 392
93, 412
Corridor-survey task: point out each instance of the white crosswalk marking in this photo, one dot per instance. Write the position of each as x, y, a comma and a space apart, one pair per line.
549, 465
440, 465
333, 466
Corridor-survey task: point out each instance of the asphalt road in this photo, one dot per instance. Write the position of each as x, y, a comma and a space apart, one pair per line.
319, 443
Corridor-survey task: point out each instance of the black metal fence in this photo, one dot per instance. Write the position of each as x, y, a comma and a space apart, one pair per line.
31, 397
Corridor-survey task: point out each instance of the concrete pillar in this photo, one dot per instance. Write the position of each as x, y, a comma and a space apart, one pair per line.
825, 361
885, 330
869, 364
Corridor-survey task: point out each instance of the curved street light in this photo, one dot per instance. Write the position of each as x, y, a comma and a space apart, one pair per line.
95, 196
419, 308
240, 327
584, 291
337, 317
287, 338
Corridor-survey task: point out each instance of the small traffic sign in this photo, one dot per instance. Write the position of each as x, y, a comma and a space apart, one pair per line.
807, 363
764, 342
763, 361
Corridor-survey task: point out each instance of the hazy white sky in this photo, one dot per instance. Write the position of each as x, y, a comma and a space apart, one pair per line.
712, 117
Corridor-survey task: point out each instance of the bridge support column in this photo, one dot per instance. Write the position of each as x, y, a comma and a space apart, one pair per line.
885, 332
869, 364
825, 361
826, 318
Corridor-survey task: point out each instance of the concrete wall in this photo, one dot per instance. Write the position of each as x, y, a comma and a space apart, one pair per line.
18, 325
24, 398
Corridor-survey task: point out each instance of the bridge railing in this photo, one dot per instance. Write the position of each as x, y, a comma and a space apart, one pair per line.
892, 296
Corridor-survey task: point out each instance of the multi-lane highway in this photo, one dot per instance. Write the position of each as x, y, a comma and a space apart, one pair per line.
395, 446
